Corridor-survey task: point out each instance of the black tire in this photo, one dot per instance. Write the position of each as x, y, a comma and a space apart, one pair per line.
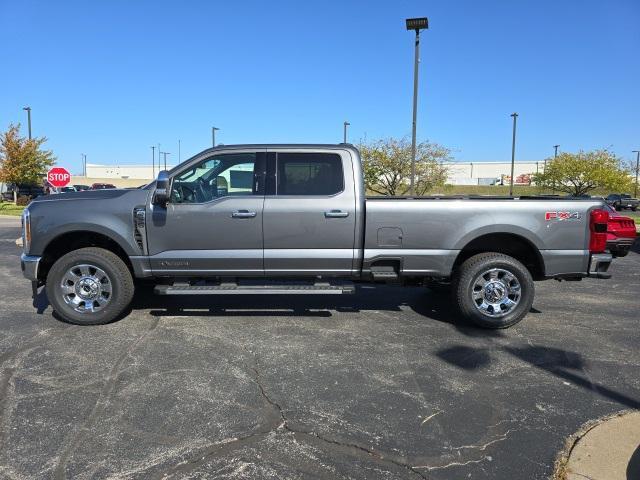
633, 209
469, 273
118, 278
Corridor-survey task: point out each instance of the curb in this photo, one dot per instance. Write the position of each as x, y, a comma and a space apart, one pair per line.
564, 457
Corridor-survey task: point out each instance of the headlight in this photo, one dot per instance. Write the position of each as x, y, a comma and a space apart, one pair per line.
26, 230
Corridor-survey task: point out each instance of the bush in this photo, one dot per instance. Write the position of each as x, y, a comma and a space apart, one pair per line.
23, 200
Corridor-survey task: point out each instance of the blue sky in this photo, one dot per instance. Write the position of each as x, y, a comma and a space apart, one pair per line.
112, 78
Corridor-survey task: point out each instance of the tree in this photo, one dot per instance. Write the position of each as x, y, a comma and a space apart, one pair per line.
387, 166
22, 161
580, 173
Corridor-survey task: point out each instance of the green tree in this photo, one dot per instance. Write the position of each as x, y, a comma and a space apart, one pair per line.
580, 173
387, 166
22, 160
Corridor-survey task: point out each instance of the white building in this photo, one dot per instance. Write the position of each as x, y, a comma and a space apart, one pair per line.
140, 172
490, 173
460, 173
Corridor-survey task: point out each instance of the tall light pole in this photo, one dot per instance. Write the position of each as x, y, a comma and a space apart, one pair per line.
84, 164
165, 159
513, 152
555, 152
635, 191
213, 136
153, 161
179, 155
346, 124
416, 24
28, 109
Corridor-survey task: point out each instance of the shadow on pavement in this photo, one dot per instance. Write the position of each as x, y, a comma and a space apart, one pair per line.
561, 363
633, 467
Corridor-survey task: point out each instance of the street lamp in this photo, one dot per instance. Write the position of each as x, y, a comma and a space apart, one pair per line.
416, 24
28, 109
513, 152
637, 152
346, 124
213, 135
165, 159
153, 161
84, 164
555, 153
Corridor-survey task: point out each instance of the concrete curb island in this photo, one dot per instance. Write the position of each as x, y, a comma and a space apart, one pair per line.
607, 448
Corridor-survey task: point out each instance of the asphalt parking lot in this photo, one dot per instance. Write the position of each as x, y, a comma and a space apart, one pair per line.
382, 384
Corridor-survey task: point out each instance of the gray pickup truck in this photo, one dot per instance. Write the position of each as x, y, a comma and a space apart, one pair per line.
294, 219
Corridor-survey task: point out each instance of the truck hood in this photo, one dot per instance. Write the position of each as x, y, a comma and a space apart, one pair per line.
106, 194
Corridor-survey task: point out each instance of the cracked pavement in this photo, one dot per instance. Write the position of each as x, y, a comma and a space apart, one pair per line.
382, 384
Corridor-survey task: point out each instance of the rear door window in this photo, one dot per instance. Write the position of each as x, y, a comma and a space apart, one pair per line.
309, 174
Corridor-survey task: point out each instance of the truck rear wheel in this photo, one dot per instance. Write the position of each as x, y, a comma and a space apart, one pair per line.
89, 286
493, 290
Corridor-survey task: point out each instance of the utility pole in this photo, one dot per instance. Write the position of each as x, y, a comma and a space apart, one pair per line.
28, 109
635, 192
165, 159
213, 135
346, 124
415, 24
513, 152
153, 161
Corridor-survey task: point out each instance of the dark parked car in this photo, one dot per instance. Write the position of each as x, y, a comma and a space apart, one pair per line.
82, 188
31, 191
621, 201
102, 186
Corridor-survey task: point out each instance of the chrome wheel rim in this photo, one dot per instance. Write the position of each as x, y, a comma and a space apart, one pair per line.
86, 288
496, 292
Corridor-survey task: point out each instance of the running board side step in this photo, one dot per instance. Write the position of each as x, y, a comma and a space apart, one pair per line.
233, 289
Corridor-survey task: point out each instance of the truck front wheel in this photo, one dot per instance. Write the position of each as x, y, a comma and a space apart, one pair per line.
89, 286
493, 290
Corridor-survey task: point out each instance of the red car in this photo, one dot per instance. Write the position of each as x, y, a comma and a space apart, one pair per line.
101, 186
621, 233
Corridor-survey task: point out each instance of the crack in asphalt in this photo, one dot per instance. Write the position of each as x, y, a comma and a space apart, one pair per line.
282, 424
100, 403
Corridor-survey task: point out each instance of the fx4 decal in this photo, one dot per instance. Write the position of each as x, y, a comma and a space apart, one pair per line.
561, 216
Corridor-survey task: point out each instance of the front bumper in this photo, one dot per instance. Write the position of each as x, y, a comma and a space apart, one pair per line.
599, 264
29, 265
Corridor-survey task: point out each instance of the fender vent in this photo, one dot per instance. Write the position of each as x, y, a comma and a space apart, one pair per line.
139, 230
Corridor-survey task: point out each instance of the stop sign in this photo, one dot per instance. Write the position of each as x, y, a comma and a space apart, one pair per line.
58, 177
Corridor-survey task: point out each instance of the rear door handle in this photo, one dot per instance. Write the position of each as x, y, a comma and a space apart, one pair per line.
243, 214
336, 214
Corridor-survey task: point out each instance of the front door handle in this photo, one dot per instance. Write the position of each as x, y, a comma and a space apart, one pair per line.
243, 214
336, 214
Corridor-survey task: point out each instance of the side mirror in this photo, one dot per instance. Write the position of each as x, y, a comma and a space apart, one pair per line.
163, 184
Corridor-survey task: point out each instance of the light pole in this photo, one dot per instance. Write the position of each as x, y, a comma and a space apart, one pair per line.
179, 155
153, 161
84, 165
637, 152
513, 152
165, 159
213, 135
416, 24
555, 152
28, 109
346, 124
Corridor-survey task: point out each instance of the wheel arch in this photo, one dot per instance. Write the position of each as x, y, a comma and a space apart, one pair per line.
73, 240
512, 244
